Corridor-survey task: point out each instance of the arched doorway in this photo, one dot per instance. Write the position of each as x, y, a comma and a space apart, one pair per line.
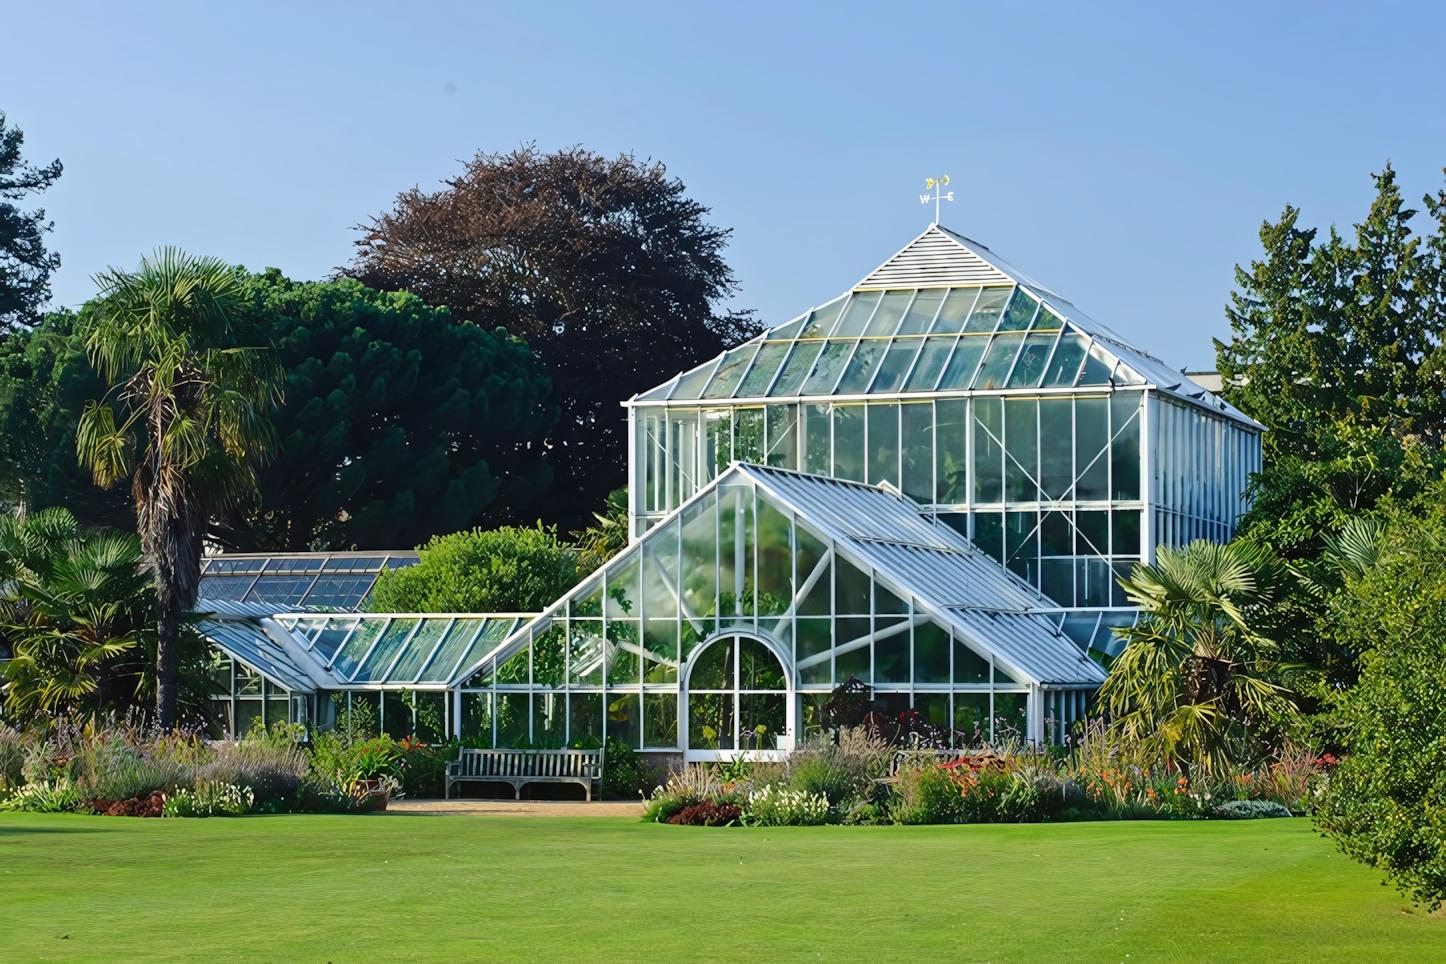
737, 702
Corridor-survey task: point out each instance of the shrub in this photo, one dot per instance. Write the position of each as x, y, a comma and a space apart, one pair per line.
625, 772
151, 805
927, 794
271, 771
210, 799
506, 570
707, 814
1249, 810
774, 806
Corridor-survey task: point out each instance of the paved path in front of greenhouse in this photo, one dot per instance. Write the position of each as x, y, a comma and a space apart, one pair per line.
519, 808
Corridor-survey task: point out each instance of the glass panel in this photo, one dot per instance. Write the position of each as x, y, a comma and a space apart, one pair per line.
997, 361
931, 362
815, 636
516, 670
735, 551
1056, 535
861, 368
851, 589
1047, 320
660, 572
1029, 367
818, 457
692, 383
682, 456
813, 573
1056, 447
356, 647
1011, 721
584, 720
884, 444
513, 714
969, 666
585, 652
775, 560
1092, 533
719, 442
1091, 432
548, 722
418, 649
1093, 581
331, 637
886, 319
477, 720
921, 312
1127, 532
1020, 312
660, 651
895, 365
962, 365
931, 653
951, 453
917, 451
748, 435
1097, 367
623, 595
623, 718
1021, 545
1067, 357
986, 311
891, 651
624, 651
782, 424
765, 366
971, 719
758, 668
660, 720
989, 534
248, 712
761, 718
710, 721
825, 371
988, 450
955, 311
856, 317
855, 663
1021, 442
549, 657
700, 559
1125, 450
589, 600
439, 670
787, 332
848, 442
730, 371
821, 321
796, 369
713, 669
1056, 579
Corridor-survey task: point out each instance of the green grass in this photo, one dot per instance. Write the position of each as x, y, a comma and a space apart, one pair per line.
395, 887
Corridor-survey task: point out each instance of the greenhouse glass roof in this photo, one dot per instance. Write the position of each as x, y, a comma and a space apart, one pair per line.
307, 651
943, 315
293, 581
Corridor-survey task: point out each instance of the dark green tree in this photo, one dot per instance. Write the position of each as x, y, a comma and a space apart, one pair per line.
25, 265
45, 381
399, 423
606, 267
506, 570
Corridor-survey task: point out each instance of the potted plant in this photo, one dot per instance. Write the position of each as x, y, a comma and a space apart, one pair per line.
371, 775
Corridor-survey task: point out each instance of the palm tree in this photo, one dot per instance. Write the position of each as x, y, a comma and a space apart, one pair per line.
1195, 678
73, 604
192, 386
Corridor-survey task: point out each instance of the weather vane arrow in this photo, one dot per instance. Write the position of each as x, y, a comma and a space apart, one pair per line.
937, 185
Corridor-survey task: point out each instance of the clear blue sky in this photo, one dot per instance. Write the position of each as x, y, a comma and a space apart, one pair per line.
1124, 155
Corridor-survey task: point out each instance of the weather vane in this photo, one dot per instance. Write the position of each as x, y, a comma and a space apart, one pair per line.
937, 185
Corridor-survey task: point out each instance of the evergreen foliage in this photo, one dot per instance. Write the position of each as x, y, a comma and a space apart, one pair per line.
25, 265
506, 570
399, 422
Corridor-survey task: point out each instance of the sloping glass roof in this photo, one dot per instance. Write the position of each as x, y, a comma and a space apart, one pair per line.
397, 650
942, 315
326, 581
755, 548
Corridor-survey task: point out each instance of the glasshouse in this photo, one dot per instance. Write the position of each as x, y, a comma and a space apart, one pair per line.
923, 490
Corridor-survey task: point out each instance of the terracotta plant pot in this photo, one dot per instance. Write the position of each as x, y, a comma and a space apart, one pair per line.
371, 795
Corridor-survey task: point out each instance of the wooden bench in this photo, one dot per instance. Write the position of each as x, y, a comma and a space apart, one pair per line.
520, 767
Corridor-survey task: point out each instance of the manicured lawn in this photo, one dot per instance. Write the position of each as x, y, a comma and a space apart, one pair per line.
395, 887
